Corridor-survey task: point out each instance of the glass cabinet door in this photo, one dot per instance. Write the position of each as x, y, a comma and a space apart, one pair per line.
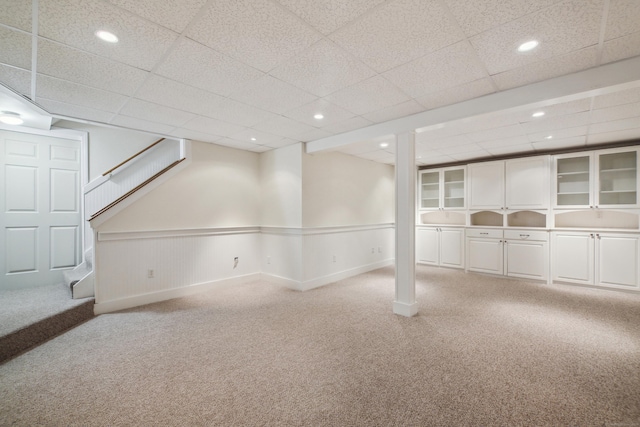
617, 174
430, 190
454, 188
573, 181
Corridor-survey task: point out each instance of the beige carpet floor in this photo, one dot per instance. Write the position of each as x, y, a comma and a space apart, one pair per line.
483, 351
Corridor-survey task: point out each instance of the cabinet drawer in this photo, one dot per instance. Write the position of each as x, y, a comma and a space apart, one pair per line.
489, 233
526, 235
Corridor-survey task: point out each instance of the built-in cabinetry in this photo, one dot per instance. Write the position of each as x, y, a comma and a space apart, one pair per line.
571, 218
511, 252
441, 246
601, 179
442, 188
603, 258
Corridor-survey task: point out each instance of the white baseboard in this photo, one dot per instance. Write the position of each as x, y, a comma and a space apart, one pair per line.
138, 300
324, 280
406, 310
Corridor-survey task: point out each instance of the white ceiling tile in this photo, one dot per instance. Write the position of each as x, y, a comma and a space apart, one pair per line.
614, 126
213, 126
168, 92
259, 32
311, 135
74, 111
441, 130
197, 65
16, 14
15, 48
480, 15
627, 96
261, 138
155, 113
236, 112
558, 143
513, 149
427, 140
546, 69
74, 23
194, 135
322, 69
16, 78
272, 95
369, 95
133, 123
284, 127
395, 111
623, 18
459, 93
628, 134
234, 143
468, 155
457, 149
436, 160
510, 131
448, 67
332, 113
85, 68
486, 121
505, 142
260, 148
615, 113
75, 94
172, 14
544, 124
399, 32
558, 134
621, 48
347, 125
284, 142
560, 109
329, 15
562, 28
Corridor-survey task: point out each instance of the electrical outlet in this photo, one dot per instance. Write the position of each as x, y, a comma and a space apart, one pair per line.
373, 250
235, 262
150, 273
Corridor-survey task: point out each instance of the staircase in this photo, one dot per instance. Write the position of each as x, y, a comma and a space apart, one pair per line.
80, 280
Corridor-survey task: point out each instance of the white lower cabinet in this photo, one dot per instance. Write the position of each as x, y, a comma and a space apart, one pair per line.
442, 246
514, 253
608, 259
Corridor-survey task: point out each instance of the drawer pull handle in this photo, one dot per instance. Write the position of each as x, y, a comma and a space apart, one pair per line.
485, 234
524, 235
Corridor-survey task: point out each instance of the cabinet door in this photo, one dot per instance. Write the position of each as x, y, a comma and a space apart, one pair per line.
486, 185
617, 178
484, 255
527, 183
527, 259
452, 247
617, 260
427, 246
573, 181
573, 257
430, 190
453, 187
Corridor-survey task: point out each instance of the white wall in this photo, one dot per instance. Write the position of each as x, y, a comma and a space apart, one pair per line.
281, 191
220, 188
109, 146
339, 189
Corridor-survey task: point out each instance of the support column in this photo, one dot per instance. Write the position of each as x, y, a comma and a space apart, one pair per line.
405, 302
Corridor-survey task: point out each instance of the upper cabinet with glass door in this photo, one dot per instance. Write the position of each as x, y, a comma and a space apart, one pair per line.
442, 188
600, 179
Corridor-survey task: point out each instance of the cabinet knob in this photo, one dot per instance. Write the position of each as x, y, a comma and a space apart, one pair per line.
598, 236
591, 235
590, 207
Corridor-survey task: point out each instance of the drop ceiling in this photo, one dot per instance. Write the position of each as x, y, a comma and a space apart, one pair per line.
251, 74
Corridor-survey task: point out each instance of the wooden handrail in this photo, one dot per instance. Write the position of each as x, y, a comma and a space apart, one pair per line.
133, 157
130, 192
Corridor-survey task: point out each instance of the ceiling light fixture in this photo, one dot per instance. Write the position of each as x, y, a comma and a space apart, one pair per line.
527, 46
253, 139
538, 114
11, 118
548, 137
107, 36
384, 144
318, 116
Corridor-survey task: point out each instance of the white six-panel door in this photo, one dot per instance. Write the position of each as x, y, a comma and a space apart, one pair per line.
40, 217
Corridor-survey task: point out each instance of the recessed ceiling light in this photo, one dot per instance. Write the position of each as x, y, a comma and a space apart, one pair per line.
538, 114
318, 116
548, 137
107, 36
384, 144
11, 118
253, 139
527, 46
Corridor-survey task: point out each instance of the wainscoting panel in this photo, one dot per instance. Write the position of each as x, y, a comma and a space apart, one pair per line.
152, 266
